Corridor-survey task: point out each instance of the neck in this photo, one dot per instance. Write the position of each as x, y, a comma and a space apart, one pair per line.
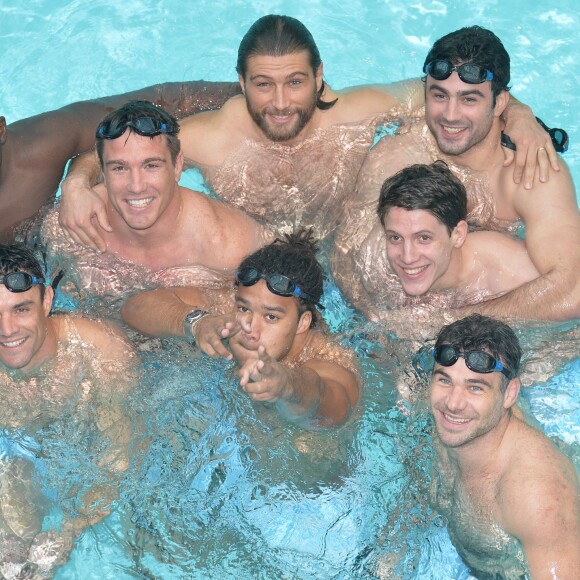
453, 279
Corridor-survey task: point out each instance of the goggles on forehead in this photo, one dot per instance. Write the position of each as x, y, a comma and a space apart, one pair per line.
472, 74
277, 284
477, 361
145, 126
20, 281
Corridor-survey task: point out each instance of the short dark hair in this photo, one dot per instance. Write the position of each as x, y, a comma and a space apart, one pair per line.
477, 45
430, 187
19, 258
275, 35
477, 332
136, 110
294, 257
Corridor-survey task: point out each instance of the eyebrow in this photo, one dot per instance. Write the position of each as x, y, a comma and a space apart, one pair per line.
263, 306
289, 76
148, 160
460, 93
476, 381
25, 303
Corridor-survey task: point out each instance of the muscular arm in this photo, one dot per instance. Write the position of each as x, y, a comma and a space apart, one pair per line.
552, 220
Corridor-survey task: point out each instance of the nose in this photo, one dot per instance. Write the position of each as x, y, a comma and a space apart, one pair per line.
409, 253
249, 324
451, 112
280, 98
7, 326
456, 399
136, 182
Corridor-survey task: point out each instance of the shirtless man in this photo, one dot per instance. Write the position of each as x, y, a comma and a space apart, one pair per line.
59, 368
463, 127
282, 357
163, 234
289, 150
427, 256
34, 151
510, 498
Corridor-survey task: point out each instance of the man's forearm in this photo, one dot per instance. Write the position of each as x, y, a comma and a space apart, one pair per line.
84, 171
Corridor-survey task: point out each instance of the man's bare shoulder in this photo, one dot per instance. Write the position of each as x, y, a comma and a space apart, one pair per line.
208, 138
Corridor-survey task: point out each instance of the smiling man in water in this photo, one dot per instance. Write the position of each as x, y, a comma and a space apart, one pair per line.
511, 500
282, 357
289, 150
59, 369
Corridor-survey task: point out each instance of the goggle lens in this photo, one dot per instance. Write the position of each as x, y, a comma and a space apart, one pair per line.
472, 74
19, 281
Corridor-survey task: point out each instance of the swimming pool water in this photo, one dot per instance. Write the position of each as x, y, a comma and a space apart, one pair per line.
226, 490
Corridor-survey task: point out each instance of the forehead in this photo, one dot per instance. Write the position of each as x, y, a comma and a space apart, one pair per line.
133, 145
259, 296
398, 218
459, 373
455, 86
262, 64
9, 299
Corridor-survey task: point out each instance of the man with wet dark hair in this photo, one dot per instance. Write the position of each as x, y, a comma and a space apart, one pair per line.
465, 99
162, 232
283, 358
510, 498
289, 150
34, 151
424, 253
54, 368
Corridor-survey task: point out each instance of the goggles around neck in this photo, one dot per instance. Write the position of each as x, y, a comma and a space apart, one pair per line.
477, 361
20, 281
145, 126
277, 284
469, 73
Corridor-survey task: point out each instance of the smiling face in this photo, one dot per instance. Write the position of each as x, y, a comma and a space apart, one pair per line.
420, 248
141, 180
281, 93
268, 320
24, 328
460, 115
467, 405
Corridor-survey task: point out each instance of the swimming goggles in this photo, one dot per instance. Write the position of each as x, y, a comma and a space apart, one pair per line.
476, 360
472, 74
558, 136
277, 283
20, 281
145, 126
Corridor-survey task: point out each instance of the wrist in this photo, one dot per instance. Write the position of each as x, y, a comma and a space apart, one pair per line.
190, 322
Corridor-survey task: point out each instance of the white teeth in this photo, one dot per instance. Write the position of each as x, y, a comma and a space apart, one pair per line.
455, 420
413, 271
139, 202
453, 129
13, 343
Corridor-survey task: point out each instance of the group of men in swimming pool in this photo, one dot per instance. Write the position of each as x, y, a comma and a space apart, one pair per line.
290, 152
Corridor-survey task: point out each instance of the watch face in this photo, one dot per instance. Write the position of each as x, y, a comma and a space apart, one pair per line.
194, 315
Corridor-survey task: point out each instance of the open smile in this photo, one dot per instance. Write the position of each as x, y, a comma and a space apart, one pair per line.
452, 132
13, 343
452, 421
140, 203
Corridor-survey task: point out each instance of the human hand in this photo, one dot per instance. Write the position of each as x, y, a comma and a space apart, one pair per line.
78, 206
210, 332
264, 378
534, 148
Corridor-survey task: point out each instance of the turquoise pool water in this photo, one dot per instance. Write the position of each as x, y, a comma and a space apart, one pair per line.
226, 490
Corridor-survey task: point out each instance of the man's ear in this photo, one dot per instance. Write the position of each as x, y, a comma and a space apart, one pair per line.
512, 393
459, 234
47, 300
318, 77
178, 166
501, 102
304, 322
3, 130
242, 84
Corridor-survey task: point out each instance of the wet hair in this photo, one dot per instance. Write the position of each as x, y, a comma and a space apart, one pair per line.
477, 332
294, 257
135, 110
429, 187
477, 45
275, 35
18, 258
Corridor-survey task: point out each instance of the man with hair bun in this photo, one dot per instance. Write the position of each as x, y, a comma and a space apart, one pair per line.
274, 334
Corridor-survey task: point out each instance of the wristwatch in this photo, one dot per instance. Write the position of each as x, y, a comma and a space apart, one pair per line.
190, 322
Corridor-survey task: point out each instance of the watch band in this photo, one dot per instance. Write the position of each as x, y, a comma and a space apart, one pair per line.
190, 322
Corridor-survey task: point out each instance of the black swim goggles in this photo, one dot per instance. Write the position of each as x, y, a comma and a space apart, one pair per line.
20, 281
472, 74
145, 126
477, 361
277, 284
559, 138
